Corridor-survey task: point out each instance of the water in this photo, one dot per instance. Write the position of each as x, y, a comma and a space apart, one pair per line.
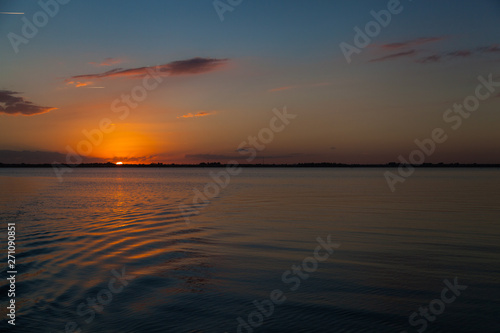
202, 274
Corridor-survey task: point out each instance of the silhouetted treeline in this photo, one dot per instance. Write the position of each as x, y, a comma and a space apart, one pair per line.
257, 165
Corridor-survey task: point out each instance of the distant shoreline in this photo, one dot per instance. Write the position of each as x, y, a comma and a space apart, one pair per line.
257, 165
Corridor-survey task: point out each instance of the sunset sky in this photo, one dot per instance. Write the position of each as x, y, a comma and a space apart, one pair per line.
219, 81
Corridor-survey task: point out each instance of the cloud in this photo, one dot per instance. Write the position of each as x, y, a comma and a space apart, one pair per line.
181, 67
107, 62
436, 57
429, 59
412, 43
212, 157
465, 53
459, 54
17, 105
43, 157
134, 159
79, 84
39, 157
489, 49
395, 55
198, 114
207, 157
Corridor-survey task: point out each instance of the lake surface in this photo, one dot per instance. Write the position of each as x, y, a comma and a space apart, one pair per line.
200, 270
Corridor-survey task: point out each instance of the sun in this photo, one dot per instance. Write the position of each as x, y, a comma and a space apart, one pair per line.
119, 163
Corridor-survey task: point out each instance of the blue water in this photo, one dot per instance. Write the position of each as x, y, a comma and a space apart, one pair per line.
200, 270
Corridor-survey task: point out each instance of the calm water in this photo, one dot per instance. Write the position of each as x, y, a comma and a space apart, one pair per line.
395, 250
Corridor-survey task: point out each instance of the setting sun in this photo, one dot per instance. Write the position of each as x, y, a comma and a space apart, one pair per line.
119, 163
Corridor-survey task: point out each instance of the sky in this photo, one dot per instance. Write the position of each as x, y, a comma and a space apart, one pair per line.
189, 81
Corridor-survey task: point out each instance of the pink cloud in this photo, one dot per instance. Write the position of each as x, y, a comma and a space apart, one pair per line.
197, 115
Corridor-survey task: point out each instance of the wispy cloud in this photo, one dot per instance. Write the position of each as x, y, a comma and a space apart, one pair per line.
40, 157
212, 157
209, 157
79, 84
464, 53
181, 67
408, 53
13, 105
198, 114
108, 62
459, 54
489, 49
429, 59
412, 43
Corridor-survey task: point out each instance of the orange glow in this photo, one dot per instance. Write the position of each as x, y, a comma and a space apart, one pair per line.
127, 144
119, 163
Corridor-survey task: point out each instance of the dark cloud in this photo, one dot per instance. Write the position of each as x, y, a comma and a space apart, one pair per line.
208, 157
412, 43
193, 66
39, 157
408, 53
17, 105
212, 157
181, 67
291, 155
42, 157
136, 159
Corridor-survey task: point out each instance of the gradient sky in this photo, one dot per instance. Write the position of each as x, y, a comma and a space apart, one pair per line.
222, 79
